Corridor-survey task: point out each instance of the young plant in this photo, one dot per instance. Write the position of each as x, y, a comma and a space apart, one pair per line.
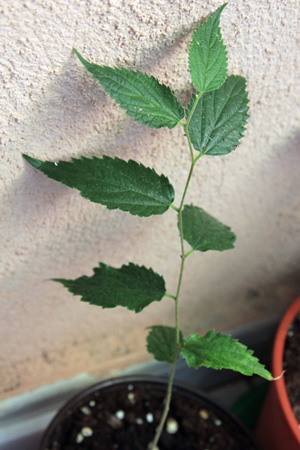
213, 123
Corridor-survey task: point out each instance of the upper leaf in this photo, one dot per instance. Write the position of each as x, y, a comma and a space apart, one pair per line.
161, 342
219, 351
220, 118
143, 97
207, 55
115, 183
132, 286
203, 232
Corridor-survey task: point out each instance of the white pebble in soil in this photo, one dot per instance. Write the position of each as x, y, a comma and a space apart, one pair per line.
92, 403
86, 431
79, 438
172, 426
86, 410
130, 387
203, 414
114, 421
120, 414
139, 421
149, 417
131, 398
218, 422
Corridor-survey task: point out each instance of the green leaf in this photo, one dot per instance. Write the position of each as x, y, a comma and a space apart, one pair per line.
207, 55
220, 118
161, 342
113, 182
219, 351
203, 232
132, 286
143, 97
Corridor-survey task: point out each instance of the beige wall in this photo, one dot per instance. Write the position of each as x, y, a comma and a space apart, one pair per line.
51, 108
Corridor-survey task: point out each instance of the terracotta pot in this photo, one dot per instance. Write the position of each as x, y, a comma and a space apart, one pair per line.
130, 424
277, 427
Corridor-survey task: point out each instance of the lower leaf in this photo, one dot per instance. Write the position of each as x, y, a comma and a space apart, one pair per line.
161, 342
219, 351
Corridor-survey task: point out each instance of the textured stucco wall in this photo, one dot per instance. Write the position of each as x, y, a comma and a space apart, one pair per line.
51, 108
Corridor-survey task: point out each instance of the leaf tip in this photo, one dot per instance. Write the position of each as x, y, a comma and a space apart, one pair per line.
80, 57
57, 280
277, 378
220, 9
26, 156
36, 163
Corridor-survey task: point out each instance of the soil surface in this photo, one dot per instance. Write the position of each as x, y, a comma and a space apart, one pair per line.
292, 365
125, 416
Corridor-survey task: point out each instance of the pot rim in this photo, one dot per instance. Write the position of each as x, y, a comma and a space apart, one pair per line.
178, 387
277, 366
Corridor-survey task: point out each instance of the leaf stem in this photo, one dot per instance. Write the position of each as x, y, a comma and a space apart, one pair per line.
174, 207
199, 156
170, 296
198, 96
188, 253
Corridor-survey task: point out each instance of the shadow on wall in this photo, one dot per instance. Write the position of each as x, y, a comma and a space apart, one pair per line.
71, 118
75, 113
74, 116
266, 258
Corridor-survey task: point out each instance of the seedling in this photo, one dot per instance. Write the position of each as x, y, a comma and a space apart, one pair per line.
213, 124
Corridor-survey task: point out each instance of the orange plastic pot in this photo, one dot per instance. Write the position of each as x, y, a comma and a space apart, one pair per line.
277, 427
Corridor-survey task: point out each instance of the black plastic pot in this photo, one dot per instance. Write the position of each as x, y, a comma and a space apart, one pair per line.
123, 413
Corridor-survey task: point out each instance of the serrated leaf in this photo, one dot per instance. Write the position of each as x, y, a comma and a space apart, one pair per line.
161, 342
220, 351
132, 286
207, 55
220, 118
203, 232
143, 97
113, 182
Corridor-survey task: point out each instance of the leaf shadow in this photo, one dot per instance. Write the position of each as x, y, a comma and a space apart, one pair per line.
74, 103
70, 117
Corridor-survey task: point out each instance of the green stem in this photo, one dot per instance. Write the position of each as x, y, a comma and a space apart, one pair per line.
193, 110
167, 405
188, 253
170, 296
173, 365
174, 207
183, 257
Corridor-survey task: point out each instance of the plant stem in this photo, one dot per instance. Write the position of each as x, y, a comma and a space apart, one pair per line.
167, 405
183, 257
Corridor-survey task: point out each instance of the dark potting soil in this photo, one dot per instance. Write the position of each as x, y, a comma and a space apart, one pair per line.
125, 416
292, 365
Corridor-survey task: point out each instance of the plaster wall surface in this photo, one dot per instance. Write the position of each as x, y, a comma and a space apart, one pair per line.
51, 108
